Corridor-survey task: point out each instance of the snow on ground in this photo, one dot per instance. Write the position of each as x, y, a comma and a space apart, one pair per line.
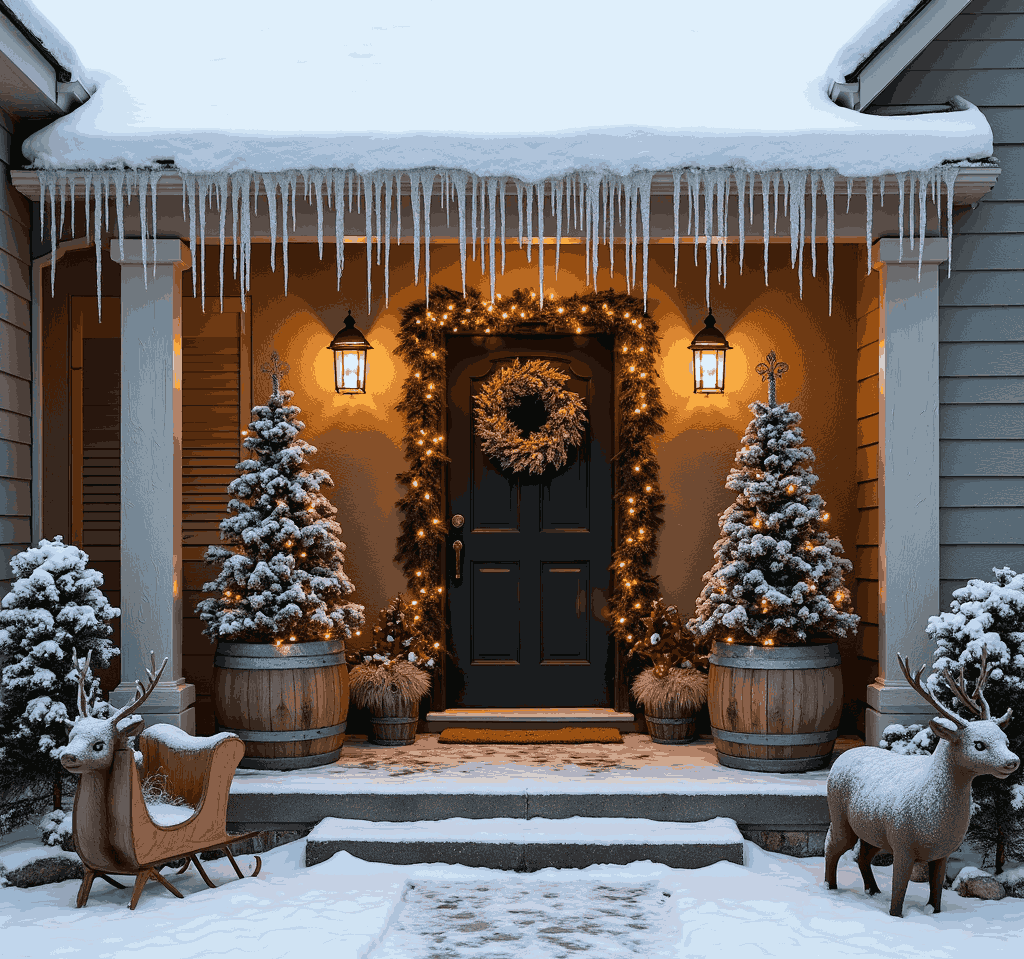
533, 92
774, 906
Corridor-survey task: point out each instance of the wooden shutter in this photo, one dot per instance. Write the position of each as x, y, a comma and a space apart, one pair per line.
215, 406
96, 448
216, 400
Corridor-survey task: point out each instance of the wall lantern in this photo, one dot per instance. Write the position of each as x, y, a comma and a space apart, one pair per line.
709, 347
350, 348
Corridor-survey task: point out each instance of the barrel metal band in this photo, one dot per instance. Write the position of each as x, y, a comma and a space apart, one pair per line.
299, 662
671, 722
283, 736
776, 739
395, 720
737, 662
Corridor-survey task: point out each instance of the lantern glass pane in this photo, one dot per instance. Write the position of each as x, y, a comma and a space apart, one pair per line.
350, 371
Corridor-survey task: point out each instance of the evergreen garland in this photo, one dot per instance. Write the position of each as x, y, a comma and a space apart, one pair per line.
640, 500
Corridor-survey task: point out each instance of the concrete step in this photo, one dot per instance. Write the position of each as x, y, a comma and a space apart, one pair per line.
529, 719
526, 845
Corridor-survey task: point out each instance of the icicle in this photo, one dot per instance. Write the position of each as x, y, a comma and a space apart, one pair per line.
741, 190
97, 239
676, 177
338, 191
765, 189
593, 217
693, 186
910, 208
376, 188
503, 196
814, 223
388, 180
492, 200
367, 185
901, 180
154, 179
922, 211
849, 192
143, 188
315, 184
796, 186
415, 186
221, 184
557, 193
188, 186
613, 188
48, 187
539, 188
828, 179
869, 197
949, 172
722, 183
460, 180
204, 200
609, 231
776, 179
709, 206
643, 180
881, 190
474, 214
117, 178
428, 199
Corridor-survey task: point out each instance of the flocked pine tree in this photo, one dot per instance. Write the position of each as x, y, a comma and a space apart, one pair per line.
282, 576
984, 618
55, 606
778, 574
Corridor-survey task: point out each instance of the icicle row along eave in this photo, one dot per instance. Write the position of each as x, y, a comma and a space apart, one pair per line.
603, 208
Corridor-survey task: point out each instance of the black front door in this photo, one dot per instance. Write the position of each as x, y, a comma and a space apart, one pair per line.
526, 629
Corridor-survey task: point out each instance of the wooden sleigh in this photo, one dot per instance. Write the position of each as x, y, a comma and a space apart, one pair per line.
116, 832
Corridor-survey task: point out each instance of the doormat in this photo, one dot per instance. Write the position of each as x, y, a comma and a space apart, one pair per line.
527, 737
532, 919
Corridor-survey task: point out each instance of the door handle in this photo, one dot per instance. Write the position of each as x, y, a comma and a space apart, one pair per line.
458, 559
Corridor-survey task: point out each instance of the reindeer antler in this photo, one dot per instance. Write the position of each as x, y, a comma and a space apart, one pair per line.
976, 702
143, 691
85, 703
915, 682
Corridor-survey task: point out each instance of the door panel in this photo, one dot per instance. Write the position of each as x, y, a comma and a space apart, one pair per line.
524, 614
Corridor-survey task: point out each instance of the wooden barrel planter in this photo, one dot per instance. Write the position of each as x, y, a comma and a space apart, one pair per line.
673, 726
287, 703
395, 730
775, 708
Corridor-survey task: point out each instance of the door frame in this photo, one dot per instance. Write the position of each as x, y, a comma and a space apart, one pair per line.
620, 691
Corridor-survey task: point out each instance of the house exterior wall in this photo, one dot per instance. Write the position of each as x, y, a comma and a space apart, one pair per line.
981, 306
15, 364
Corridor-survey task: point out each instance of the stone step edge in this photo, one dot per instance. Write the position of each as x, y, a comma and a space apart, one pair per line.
528, 719
529, 845
576, 830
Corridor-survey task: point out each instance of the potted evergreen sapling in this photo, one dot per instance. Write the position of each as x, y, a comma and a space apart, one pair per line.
674, 687
773, 603
391, 675
280, 616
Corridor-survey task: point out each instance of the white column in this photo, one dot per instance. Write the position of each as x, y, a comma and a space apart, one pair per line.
908, 477
151, 573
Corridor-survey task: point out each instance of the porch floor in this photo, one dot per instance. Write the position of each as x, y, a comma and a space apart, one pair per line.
637, 779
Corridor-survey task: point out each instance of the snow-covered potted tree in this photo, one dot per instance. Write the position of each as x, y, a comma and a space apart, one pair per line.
55, 604
280, 616
390, 677
674, 687
773, 602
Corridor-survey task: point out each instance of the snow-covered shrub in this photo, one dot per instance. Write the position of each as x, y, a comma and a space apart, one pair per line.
55, 604
55, 830
913, 740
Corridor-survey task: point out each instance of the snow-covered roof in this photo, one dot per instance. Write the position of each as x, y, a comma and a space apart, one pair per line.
46, 35
534, 91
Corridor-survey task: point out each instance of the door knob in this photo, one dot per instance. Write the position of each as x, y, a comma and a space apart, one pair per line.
457, 545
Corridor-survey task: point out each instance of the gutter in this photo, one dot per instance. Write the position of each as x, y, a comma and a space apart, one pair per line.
38, 264
884, 64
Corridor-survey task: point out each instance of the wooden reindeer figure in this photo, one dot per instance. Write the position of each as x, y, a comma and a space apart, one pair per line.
114, 830
916, 807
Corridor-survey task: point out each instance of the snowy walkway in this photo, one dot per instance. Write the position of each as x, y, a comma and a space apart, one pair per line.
775, 906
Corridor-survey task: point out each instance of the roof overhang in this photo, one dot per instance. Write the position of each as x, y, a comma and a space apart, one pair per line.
32, 83
927, 20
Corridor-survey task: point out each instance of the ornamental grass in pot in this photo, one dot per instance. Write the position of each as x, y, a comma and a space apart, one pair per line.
674, 688
392, 675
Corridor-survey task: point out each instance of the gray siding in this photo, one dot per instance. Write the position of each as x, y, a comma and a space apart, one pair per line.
980, 56
15, 365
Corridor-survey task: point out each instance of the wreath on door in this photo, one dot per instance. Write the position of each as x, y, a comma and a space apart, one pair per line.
502, 440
